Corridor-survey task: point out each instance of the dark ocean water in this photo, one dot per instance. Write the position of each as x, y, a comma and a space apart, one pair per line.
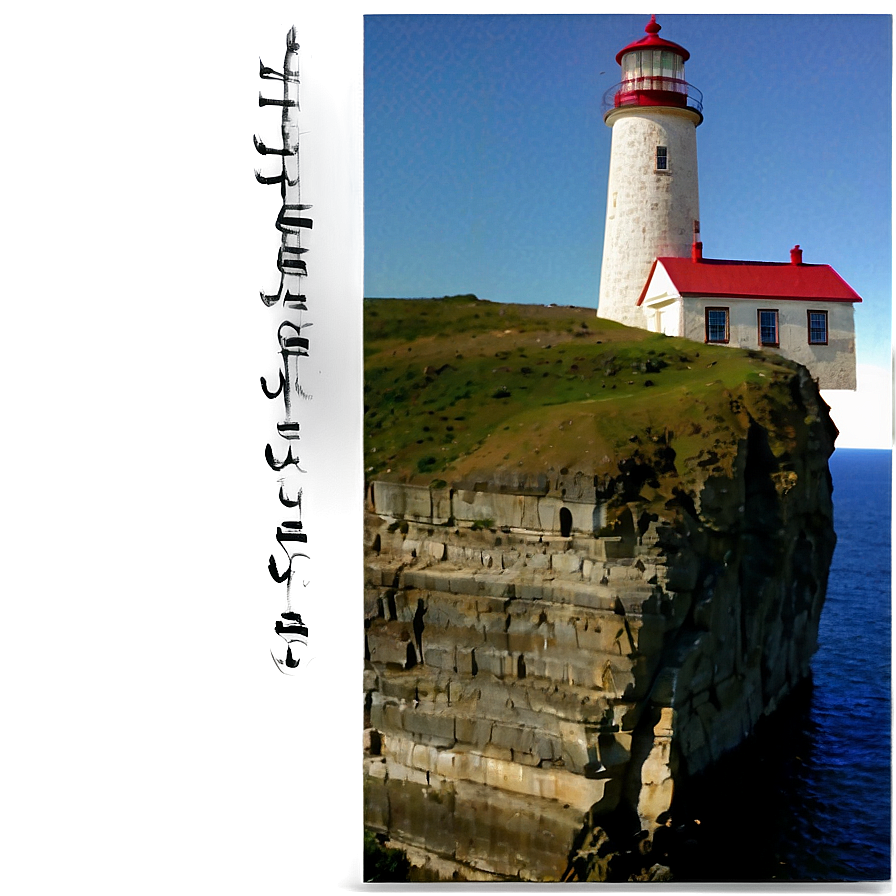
808, 798
845, 784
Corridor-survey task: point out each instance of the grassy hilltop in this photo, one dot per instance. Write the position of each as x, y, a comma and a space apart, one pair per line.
458, 388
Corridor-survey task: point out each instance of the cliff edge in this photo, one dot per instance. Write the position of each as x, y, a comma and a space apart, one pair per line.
595, 558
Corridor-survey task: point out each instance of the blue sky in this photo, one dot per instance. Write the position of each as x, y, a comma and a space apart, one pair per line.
486, 155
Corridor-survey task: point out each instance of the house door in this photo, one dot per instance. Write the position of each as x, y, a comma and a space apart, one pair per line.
668, 320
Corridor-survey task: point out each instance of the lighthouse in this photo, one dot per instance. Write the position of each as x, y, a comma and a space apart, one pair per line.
652, 197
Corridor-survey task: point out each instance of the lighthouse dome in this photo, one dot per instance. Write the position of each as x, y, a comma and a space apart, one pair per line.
653, 75
654, 42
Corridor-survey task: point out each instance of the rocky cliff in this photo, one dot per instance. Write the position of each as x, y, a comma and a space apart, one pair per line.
574, 609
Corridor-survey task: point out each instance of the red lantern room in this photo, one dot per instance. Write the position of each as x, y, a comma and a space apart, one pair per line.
653, 74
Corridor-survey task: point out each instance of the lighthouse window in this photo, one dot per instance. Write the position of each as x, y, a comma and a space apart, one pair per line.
768, 328
818, 328
668, 71
716, 324
662, 158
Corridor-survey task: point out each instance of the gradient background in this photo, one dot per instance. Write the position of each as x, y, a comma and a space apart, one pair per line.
149, 744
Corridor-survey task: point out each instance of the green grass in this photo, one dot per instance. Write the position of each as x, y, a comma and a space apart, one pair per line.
455, 387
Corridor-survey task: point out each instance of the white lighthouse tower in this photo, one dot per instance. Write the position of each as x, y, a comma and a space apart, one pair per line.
652, 198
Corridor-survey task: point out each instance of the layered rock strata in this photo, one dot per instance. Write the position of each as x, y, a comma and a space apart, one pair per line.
530, 676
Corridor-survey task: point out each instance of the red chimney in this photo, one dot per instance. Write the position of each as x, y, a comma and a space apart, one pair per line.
697, 251
796, 255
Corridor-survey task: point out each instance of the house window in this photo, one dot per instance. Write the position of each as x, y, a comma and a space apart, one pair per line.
818, 328
768, 328
662, 158
716, 324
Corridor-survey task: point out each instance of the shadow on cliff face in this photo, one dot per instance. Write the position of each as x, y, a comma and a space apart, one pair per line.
733, 821
760, 546
763, 555
730, 823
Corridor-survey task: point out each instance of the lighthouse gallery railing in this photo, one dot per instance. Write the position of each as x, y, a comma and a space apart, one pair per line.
628, 92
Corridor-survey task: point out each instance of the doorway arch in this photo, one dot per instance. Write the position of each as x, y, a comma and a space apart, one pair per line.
565, 522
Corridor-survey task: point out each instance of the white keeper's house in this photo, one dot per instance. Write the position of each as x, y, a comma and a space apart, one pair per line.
654, 274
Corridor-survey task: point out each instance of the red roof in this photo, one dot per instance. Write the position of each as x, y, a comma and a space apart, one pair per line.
653, 42
755, 280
